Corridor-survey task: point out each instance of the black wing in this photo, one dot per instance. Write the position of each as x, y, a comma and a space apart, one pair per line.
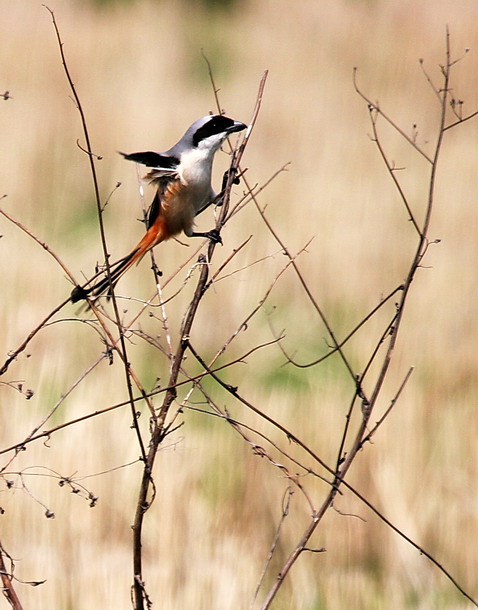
153, 211
163, 171
153, 159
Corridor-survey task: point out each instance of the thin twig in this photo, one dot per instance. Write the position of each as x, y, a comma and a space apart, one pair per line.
6, 576
284, 514
91, 157
390, 169
393, 402
373, 106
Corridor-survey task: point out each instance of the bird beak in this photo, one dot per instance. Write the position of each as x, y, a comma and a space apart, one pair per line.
238, 126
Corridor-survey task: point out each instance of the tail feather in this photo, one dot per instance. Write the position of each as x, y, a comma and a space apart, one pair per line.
155, 234
116, 271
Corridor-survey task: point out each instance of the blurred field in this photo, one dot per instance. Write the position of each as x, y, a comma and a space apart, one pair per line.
141, 78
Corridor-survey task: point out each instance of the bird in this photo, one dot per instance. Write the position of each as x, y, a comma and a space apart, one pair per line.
182, 177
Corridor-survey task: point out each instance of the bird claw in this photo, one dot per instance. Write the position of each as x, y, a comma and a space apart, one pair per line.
232, 171
78, 293
214, 236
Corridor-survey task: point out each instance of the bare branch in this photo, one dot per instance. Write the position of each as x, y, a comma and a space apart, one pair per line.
373, 106
8, 589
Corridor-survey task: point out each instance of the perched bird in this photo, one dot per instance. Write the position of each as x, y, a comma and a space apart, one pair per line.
182, 176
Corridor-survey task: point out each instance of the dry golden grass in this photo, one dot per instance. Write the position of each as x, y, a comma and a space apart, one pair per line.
141, 78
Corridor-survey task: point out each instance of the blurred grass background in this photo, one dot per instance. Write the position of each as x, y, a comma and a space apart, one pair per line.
142, 80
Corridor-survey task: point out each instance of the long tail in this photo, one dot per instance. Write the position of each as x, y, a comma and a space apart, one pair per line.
154, 235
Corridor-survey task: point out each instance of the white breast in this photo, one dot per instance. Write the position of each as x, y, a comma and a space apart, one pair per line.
195, 171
